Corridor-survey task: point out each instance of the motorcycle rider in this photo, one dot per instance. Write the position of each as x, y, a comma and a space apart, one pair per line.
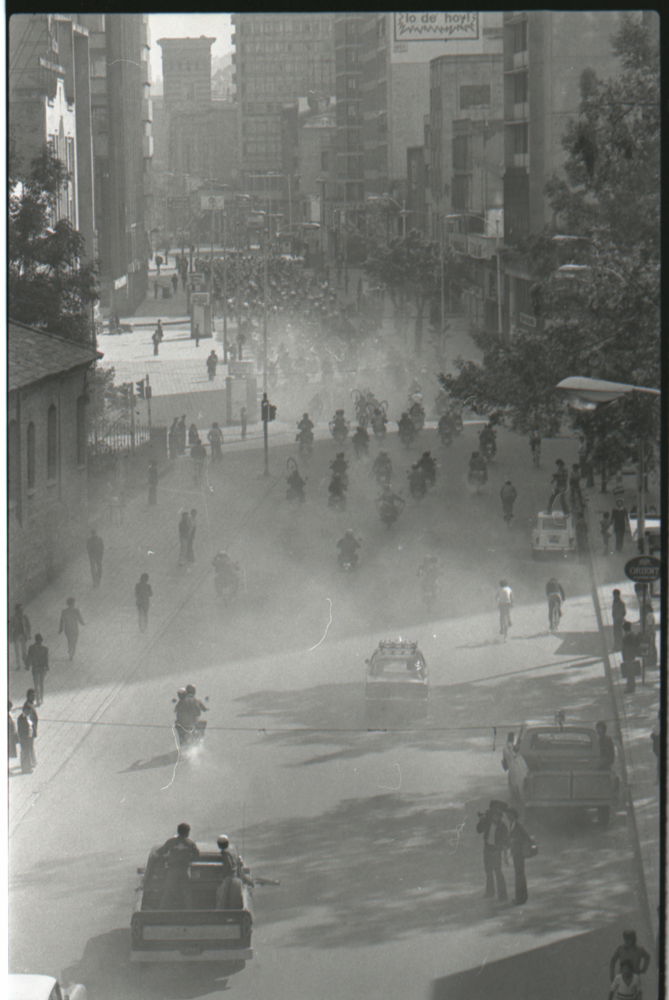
508, 493
187, 713
295, 484
306, 425
339, 421
445, 427
555, 595
379, 421
347, 545
417, 413
389, 504
382, 467
488, 439
406, 426
417, 483
429, 467
340, 468
360, 440
478, 468
190, 693
337, 490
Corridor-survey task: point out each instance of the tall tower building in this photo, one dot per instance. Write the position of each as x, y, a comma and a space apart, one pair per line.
278, 58
186, 71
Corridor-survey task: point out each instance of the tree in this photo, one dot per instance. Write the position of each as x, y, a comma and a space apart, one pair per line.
410, 268
596, 291
47, 285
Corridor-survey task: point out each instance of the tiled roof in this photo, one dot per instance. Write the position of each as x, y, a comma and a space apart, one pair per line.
33, 355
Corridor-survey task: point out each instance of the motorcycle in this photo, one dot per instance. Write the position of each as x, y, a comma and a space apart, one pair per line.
417, 487
457, 422
477, 478
361, 442
339, 430
295, 482
379, 421
306, 440
407, 434
384, 474
417, 415
190, 738
445, 435
388, 511
429, 468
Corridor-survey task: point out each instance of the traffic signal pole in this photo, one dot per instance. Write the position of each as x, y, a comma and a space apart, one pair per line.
148, 400
265, 422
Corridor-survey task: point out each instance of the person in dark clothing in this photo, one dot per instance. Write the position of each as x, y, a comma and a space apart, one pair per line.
519, 840
95, 548
143, 595
560, 480
630, 951
607, 750
187, 713
215, 438
198, 453
582, 535
184, 534
26, 735
495, 839
193, 435
605, 530
181, 435
618, 612
19, 633
153, 483
244, 422
175, 283
620, 523
630, 643
37, 660
180, 851
190, 555
173, 439
212, 362
70, 620
575, 494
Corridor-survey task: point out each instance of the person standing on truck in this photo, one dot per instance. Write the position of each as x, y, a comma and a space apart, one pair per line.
181, 851
607, 750
233, 868
519, 839
495, 839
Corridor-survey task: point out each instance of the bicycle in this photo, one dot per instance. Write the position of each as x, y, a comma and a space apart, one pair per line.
554, 611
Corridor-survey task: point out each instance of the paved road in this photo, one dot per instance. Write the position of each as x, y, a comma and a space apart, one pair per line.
371, 834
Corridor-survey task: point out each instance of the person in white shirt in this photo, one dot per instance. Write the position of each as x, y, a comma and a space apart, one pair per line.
504, 603
626, 985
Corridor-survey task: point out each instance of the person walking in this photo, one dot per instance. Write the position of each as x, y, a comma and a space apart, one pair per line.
575, 494
184, 534
620, 522
190, 555
153, 483
175, 283
159, 264
495, 839
212, 361
26, 735
629, 951
193, 435
173, 439
157, 337
12, 734
70, 620
143, 595
215, 438
618, 613
199, 455
504, 604
18, 632
181, 435
95, 548
244, 421
37, 660
519, 842
582, 535
605, 531
508, 493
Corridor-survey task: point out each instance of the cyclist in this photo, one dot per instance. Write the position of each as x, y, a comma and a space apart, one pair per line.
555, 595
535, 445
508, 494
504, 603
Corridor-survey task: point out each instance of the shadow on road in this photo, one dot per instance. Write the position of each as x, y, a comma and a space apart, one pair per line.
162, 760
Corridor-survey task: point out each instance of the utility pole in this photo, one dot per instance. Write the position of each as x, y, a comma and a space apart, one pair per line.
132, 417
225, 293
499, 286
264, 322
212, 202
148, 401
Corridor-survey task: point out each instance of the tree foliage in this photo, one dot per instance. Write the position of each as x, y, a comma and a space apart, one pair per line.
47, 286
599, 315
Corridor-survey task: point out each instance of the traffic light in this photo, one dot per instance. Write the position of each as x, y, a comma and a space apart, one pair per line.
267, 410
140, 389
272, 412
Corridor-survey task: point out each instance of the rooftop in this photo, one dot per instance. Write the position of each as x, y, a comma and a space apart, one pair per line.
33, 355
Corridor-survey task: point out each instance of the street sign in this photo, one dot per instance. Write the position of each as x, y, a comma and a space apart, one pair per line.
240, 368
199, 298
195, 276
212, 201
643, 569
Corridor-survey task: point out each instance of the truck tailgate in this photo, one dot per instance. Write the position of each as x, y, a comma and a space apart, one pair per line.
187, 935
572, 788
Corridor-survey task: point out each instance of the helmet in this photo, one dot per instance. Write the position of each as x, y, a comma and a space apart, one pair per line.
223, 841
349, 531
181, 692
190, 689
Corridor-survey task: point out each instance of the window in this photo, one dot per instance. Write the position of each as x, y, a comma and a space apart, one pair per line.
521, 138
31, 455
351, 83
351, 55
474, 96
81, 430
460, 193
520, 88
51, 443
461, 152
351, 110
520, 37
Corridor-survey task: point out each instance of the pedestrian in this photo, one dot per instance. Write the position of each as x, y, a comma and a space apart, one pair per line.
196, 334
180, 851
199, 455
95, 548
153, 483
193, 435
215, 438
175, 283
241, 339
495, 839
184, 276
649, 635
159, 261
605, 530
190, 555
212, 361
70, 620
181, 435
155, 337
18, 632
620, 522
26, 735
618, 613
167, 254
37, 660
173, 439
582, 535
519, 843
143, 595
560, 480
244, 422
607, 750
12, 735
575, 495
630, 648
184, 534
629, 951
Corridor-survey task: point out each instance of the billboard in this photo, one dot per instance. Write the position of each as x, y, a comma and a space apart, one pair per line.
432, 25
212, 201
199, 298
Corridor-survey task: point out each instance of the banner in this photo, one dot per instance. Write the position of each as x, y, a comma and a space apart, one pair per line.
432, 25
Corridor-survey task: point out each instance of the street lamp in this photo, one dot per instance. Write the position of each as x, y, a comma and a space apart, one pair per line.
403, 211
481, 218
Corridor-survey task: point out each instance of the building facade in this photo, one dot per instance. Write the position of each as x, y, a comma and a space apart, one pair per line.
47, 455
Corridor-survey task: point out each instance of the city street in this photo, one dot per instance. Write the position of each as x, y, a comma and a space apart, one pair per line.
372, 834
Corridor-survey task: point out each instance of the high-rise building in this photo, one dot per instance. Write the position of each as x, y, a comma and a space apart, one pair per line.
278, 58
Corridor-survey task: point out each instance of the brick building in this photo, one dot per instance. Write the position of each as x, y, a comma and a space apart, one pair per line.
46, 451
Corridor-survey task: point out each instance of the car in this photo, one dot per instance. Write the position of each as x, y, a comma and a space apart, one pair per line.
34, 987
396, 685
652, 531
554, 534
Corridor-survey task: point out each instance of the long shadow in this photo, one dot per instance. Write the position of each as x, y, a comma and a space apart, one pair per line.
162, 760
580, 644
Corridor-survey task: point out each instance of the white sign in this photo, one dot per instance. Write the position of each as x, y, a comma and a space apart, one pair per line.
432, 25
199, 298
121, 282
240, 368
212, 201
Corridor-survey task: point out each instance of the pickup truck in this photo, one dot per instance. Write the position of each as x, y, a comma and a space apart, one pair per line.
557, 766
396, 685
203, 934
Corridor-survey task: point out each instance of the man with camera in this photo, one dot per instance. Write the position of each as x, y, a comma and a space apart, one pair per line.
495, 839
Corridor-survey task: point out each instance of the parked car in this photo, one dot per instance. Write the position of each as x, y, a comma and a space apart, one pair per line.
35, 987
